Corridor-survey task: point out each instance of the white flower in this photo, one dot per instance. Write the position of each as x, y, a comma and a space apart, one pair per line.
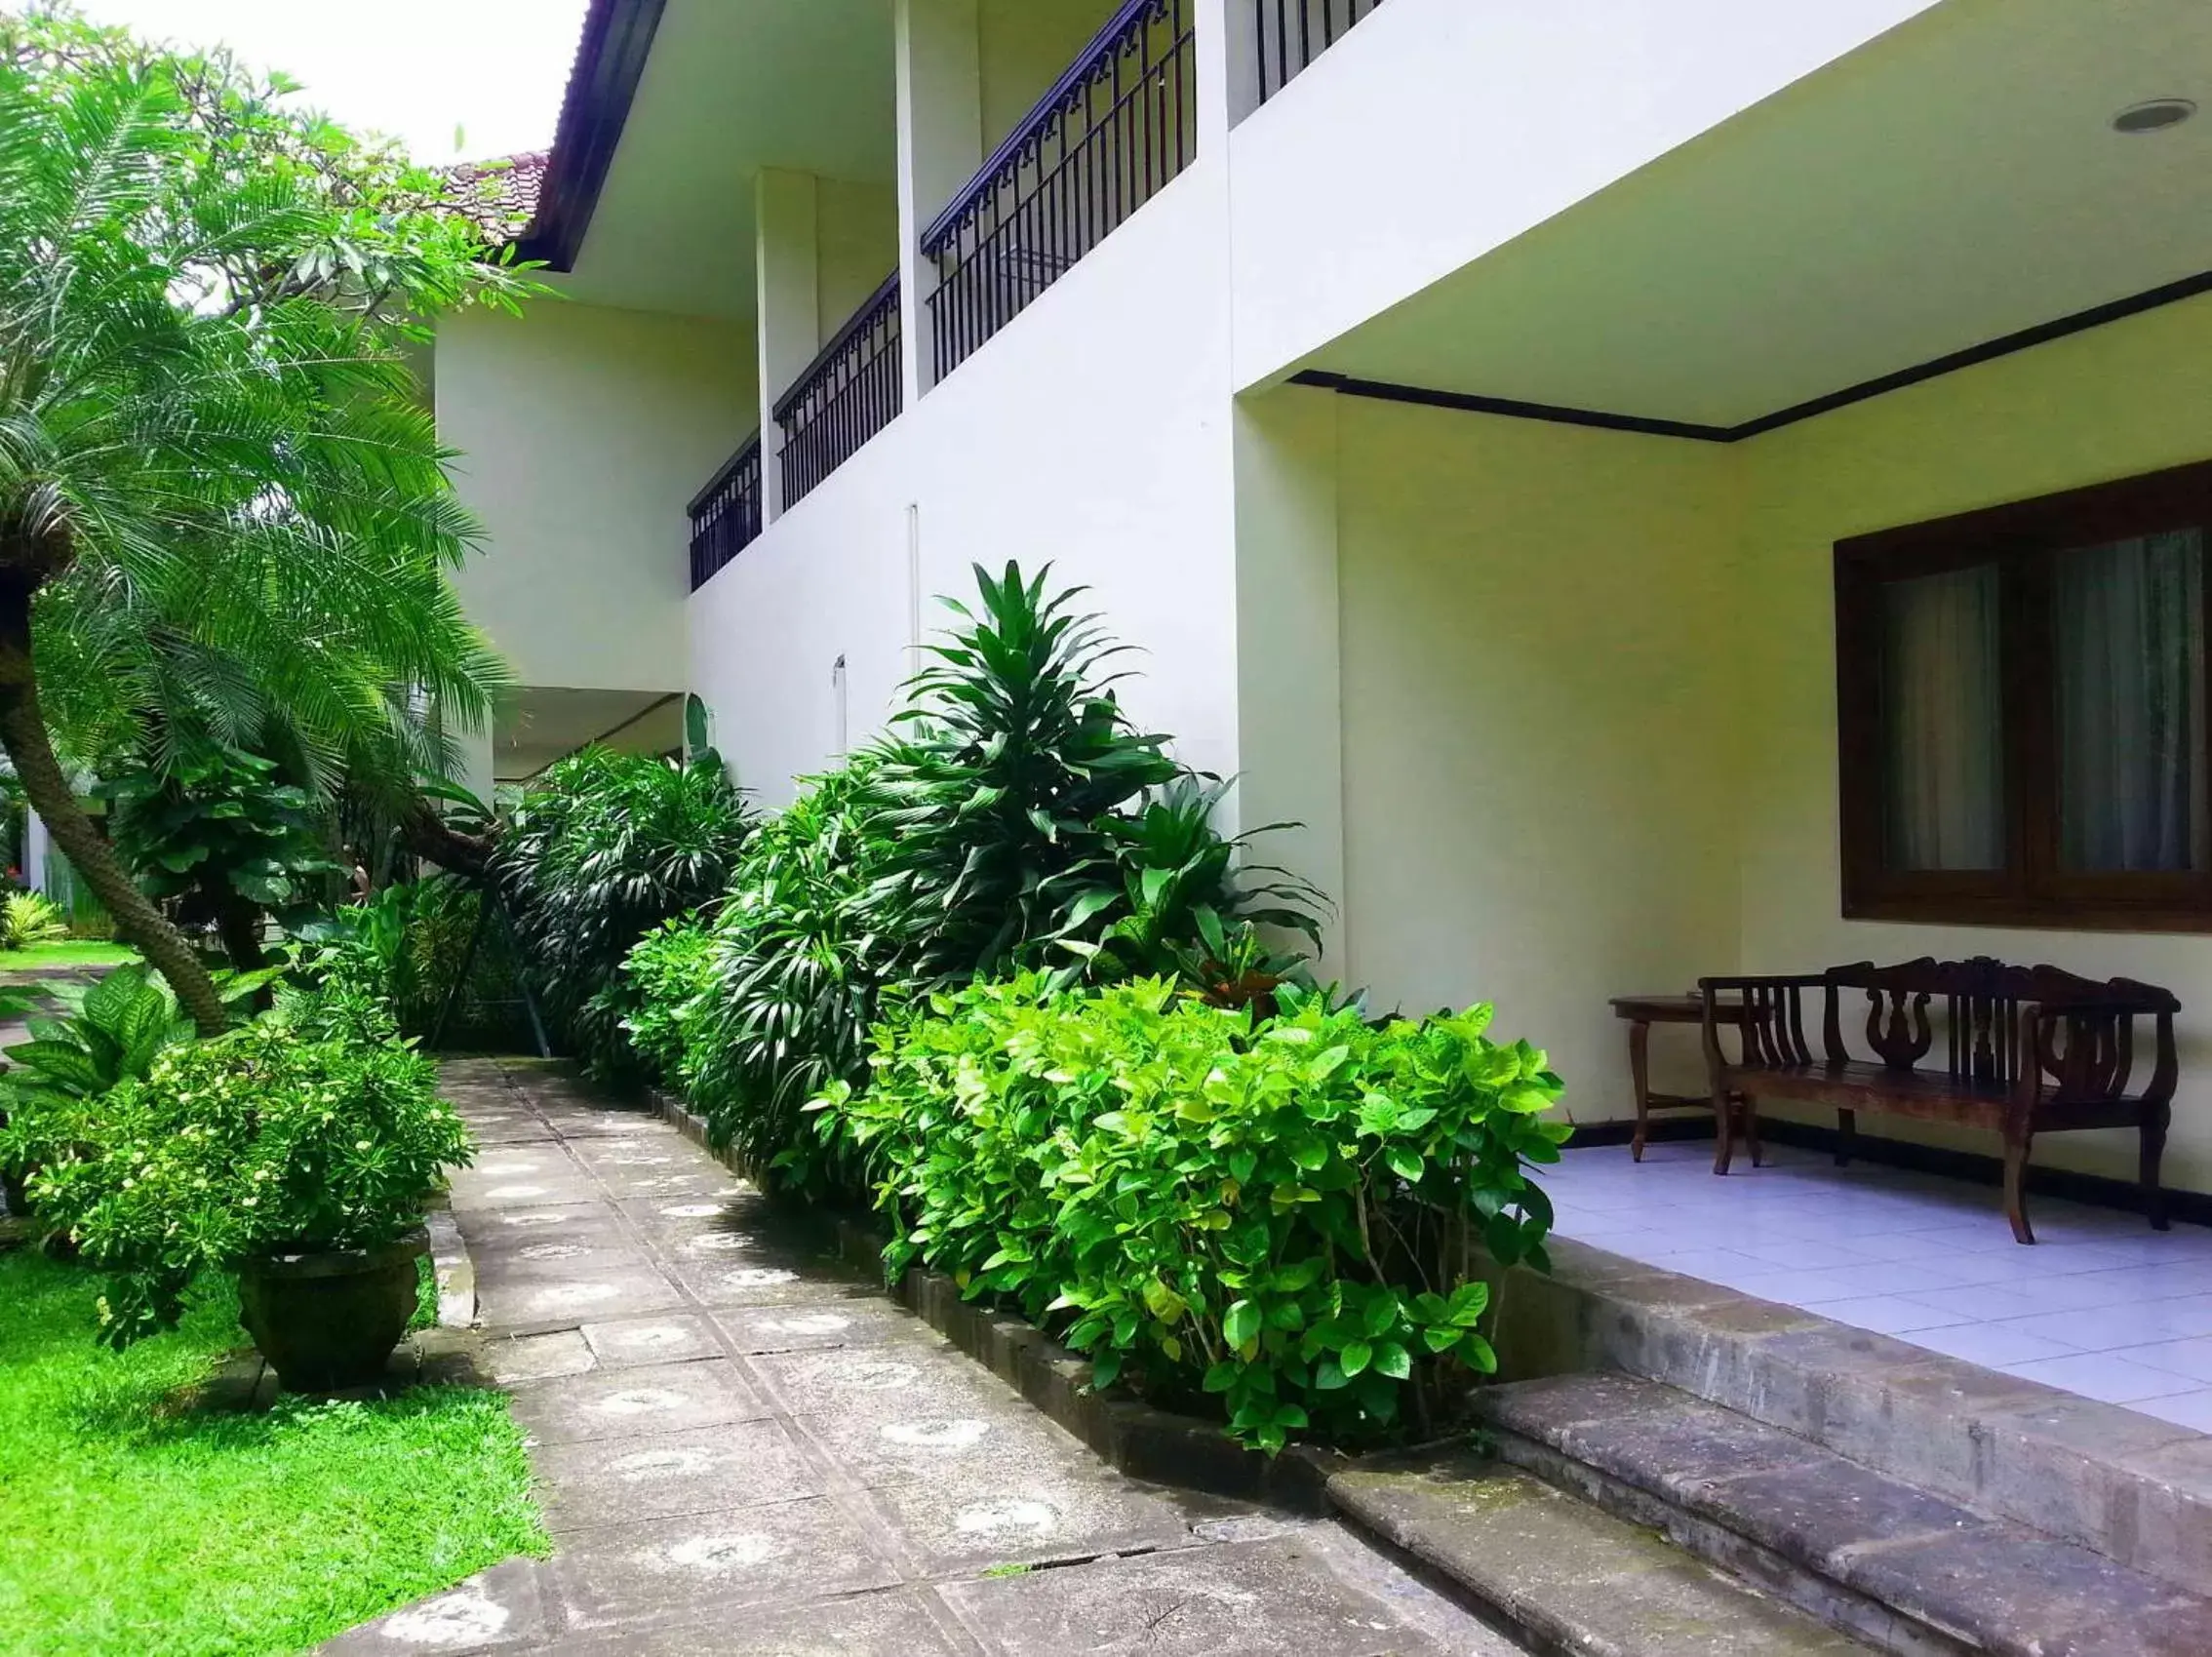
248, 1202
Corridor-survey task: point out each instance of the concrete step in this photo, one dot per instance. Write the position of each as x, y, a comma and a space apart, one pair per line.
2135, 1489
1905, 1570
1562, 1577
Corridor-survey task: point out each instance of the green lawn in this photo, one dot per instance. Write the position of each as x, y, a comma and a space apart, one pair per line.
132, 1523
70, 952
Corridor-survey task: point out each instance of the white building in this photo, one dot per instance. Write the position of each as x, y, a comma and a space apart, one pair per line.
1461, 401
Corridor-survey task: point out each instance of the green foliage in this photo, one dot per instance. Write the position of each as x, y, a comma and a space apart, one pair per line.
217, 828
603, 849
409, 942
665, 977
999, 803
140, 1518
107, 1033
30, 917
796, 968
1284, 1211
310, 1129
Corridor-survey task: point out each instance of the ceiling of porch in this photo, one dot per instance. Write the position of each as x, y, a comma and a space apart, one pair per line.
734, 86
536, 725
1954, 181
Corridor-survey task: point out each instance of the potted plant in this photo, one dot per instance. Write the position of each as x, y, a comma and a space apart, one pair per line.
297, 1152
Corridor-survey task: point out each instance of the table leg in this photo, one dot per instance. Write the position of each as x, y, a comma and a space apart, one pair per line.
1640, 1073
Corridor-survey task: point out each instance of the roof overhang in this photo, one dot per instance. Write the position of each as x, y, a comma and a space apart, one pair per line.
610, 61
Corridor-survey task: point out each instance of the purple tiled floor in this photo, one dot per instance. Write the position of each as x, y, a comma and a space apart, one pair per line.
2101, 1305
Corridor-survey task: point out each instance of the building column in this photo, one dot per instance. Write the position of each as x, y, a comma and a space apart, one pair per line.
787, 249
940, 146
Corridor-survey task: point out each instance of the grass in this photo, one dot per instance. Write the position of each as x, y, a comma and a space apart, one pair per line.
69, 952
134, 1522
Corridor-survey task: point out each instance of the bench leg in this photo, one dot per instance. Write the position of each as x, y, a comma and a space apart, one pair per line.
2154, 1152
1640, 1073
1751, 1132
1725, 1131
1846, 1136
2016, 1148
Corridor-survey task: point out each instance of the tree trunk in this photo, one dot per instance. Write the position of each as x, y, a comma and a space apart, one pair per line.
24, 737
238, 923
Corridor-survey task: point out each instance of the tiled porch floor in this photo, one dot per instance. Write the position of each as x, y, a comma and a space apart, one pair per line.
2102, 1305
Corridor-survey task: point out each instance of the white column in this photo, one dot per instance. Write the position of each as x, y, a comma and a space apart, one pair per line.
1289, 693
940, 146
788, 247
1218, 39
35, 846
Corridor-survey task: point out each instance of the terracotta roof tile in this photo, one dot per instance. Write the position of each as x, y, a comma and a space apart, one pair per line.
501, 195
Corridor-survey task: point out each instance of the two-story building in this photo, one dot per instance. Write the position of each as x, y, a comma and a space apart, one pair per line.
1473, 410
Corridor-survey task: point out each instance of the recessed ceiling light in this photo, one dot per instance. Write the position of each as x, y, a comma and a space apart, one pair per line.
2154, 115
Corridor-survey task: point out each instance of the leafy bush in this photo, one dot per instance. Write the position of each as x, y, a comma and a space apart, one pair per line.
603, 849
107, 1033
998, 804
794, 973
1282, 1212
287, 1134
30, 917
664, 978
217, 831
408, 943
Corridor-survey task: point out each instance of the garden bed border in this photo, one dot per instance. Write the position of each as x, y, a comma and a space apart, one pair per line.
1133, 1437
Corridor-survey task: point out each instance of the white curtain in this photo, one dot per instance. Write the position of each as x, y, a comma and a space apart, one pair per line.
2130, 644
1942, 724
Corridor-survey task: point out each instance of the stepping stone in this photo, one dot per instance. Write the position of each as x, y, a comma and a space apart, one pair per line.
651, 1340
888, 1623
667, 1475
501, 1609
1243, 1600
628, 1403
632, 1575
824, 1325
1028, 1509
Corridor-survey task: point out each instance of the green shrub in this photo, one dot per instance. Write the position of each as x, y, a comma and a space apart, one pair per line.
663, 980
274, 1137
1283, 1212
604, 849
216, 831
795, 972
107, 1033
30, 917
997, 803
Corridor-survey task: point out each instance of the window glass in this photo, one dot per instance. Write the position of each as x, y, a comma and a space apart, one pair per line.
1943, 722
2128, 642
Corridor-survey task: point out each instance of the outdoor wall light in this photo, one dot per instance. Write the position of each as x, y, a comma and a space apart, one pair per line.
2154, 115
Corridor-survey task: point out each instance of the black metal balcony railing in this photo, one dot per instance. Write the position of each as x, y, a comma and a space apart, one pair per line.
1112, 131
725, 515
848, 394
1292, 33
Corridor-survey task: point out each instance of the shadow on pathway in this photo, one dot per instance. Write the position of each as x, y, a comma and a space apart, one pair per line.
743, 1448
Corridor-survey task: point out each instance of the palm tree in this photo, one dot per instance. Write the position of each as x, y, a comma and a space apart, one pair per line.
222, 504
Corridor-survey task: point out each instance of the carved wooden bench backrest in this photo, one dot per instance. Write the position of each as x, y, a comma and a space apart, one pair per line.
1983, 999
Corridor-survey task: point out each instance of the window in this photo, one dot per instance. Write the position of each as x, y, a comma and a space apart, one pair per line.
2022, 712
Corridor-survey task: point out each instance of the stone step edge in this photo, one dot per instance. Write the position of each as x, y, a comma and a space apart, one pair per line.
2133, 1489
1550, 1617
1131, 1436
1786, 1575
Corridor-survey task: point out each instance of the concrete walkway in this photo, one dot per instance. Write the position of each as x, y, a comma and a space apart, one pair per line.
743, 1448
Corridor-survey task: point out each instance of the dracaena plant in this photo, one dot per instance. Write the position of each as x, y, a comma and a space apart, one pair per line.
1017, 756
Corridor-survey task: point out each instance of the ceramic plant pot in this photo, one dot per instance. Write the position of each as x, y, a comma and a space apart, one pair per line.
328, 1323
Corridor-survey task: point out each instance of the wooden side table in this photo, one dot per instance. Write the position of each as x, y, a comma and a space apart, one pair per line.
1644, 1011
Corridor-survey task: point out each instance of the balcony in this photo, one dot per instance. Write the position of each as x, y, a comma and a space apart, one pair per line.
1290, 34
1109, 135
850, 392
725, 515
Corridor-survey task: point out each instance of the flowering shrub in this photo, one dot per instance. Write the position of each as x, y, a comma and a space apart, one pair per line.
263, 1141
1282, 1211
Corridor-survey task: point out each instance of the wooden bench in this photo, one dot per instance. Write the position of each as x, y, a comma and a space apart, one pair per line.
2028, 1050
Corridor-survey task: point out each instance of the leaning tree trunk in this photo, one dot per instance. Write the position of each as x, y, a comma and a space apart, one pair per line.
23, 734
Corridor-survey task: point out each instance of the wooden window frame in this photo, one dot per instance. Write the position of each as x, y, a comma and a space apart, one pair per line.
2021, 537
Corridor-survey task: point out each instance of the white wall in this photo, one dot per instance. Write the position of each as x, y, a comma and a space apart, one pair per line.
1538, 749
858, 248
1092, 433
1026, 44
583, 433
1439, 130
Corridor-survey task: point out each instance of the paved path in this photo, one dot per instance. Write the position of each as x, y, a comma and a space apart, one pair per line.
744, 1448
